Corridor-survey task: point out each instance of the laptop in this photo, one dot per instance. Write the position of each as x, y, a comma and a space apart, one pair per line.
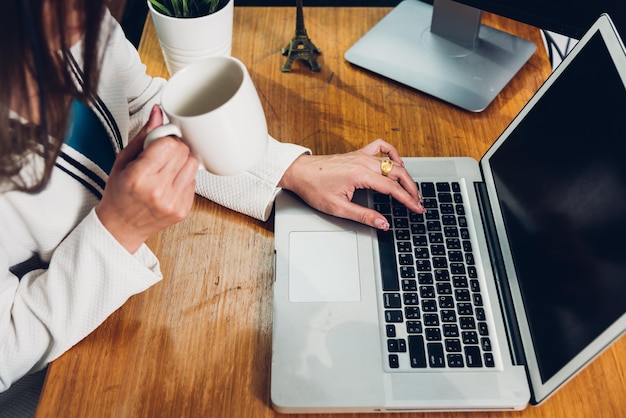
510, 284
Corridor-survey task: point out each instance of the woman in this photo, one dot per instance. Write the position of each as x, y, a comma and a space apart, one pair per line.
79, 195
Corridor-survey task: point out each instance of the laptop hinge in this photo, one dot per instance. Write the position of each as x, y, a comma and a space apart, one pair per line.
502, 283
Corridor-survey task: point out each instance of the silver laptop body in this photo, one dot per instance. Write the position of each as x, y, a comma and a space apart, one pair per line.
330, 352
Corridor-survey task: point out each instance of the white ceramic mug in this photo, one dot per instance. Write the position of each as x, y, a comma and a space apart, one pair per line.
214, 108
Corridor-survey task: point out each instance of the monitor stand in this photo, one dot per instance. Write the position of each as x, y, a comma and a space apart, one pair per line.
442, 50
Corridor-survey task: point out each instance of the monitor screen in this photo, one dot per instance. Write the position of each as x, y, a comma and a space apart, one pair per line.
561, 185
571, 18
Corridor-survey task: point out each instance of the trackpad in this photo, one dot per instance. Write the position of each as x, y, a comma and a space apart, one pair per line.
323, 267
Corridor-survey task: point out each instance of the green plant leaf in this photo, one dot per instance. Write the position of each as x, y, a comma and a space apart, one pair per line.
187, 8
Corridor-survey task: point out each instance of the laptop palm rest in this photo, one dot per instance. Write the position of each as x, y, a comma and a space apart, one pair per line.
323, 266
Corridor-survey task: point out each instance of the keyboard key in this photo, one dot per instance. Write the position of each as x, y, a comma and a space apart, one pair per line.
459, 281
453, 345
485, 343
412, 312
422, 265
388, 266
444, 288
469, 337
455, 360
445, 197
431, 320
414, 327
455, 256
425, 278
467, 322
480, 314
420, 241
433, 334
405, 259
400, 222
440, 262
392, 300
410, 299
417, 353
429, 305
447, 209
450, 330
435, 237
437, 249
418, 229
446, 302
409, 285
394, 362
435, 355
422, 252
393, 316
462, 295
443, 187
457, 268
427, 189
406, 272
442, 275
403, 234
472, 356
427, 292
478, 299
489, 361
404, 247
448, 315
464, 309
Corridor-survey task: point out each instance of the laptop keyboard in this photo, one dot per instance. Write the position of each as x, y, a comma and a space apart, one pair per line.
432, 303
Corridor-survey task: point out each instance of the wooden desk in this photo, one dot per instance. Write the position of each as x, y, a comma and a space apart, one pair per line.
198, 343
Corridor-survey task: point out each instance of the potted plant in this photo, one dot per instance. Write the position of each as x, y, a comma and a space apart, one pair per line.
187, 8
190, 30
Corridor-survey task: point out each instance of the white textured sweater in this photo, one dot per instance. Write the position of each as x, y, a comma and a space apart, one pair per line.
61, 273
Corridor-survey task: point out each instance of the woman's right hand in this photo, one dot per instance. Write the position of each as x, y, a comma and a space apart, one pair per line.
148, 190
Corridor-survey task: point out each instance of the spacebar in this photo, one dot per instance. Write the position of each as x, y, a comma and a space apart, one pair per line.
417, 353
388, 267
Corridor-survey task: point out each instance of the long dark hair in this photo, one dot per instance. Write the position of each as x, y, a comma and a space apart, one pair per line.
38, 78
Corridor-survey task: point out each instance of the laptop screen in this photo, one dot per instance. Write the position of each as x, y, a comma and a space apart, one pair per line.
560, 178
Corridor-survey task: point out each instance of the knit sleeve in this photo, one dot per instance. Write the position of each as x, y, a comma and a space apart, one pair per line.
49, 309
253, 192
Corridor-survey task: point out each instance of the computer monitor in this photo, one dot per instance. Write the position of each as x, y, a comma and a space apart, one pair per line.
570, 18
443, 49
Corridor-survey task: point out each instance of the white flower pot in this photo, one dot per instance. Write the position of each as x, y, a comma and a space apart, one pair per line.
186, 40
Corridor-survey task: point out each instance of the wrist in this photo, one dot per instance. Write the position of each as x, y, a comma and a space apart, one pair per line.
118, 230
290, 176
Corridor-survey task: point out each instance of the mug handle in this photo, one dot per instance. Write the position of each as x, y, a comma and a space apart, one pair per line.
168, 129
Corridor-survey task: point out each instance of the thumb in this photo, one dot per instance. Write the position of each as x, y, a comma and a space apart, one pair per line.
135, 146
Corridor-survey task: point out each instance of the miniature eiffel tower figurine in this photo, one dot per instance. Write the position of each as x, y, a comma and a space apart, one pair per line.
301, 47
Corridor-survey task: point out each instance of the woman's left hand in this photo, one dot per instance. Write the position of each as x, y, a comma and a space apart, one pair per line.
328, 182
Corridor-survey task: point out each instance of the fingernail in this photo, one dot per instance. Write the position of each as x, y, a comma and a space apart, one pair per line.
381, 224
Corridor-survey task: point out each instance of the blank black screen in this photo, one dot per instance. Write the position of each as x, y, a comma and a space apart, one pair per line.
561, 183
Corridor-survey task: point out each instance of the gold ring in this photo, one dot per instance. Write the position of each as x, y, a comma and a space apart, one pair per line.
385, 166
